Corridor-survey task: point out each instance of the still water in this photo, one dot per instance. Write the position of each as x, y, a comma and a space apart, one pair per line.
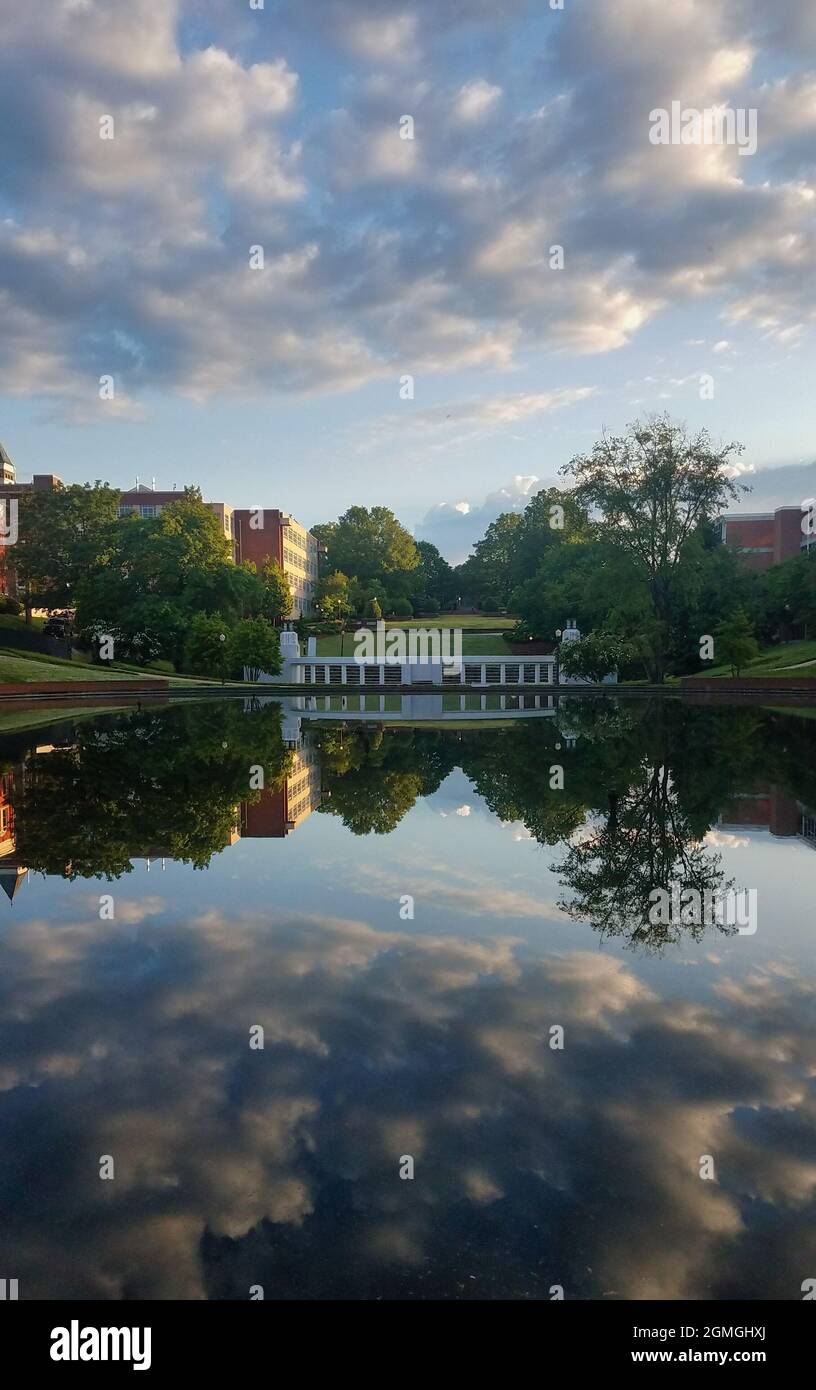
257, 966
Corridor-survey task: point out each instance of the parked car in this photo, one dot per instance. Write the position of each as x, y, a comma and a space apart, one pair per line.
57, 627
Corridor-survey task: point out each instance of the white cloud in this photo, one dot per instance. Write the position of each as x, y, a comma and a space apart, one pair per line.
475, 100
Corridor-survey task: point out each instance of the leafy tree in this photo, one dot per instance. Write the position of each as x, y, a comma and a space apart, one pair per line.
552, 518
369, 543
435, 579
154, 573
208, 648
171, 778
654, 487
789, 597
594, 656
234, 591
333, 598
488, 574
735, 643
63, 534
373, 610
254, 646
277, 593
644, 843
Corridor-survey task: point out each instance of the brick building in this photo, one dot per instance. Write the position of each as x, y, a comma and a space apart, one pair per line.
254, 534
768, 806
262, 532
280, 810
10, 493
146, 502
763, 539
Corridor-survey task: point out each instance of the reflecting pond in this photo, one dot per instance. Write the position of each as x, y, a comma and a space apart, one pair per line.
409, 1003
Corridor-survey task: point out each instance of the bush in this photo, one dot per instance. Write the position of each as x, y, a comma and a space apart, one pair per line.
491, 605
10, 605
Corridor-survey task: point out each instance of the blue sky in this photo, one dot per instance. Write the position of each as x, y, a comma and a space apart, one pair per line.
279, 128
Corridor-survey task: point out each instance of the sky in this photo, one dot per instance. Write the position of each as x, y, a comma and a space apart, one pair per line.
384, 258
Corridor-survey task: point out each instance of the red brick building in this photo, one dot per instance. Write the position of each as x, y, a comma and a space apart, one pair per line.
10, 493
280, 810
255, 533
763, 539
260, 532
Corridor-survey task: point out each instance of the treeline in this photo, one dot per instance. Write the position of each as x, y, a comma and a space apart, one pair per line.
644, 782
632, 552
374, 568
154, 588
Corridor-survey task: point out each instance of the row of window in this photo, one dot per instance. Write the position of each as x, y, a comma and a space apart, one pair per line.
304, 566
515, 673
299, 539
143, 511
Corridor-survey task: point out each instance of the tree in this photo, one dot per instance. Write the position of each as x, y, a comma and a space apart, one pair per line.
789, 597
332, 597
597, 655
157, 572
234, 591
735, 643
368, 543
207, 650
277, 593
254, 646
435, 579
373, 610
654, 487
488, 572
63, 534
128, 783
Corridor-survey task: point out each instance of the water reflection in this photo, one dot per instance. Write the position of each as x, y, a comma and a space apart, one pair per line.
535, 1166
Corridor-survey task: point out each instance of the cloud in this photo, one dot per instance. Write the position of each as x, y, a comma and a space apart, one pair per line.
279, 1166
131, 256
454, 526
475, 100
787, 485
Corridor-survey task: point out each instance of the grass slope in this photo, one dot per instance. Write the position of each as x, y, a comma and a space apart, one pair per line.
776, 661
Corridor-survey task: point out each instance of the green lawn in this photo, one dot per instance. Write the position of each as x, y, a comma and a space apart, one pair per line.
38, 666
473, 643
487, 622
11, 620
775, 661
31, 667
12, 721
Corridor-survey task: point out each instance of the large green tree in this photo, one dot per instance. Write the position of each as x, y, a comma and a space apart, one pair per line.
653, 488
156, 573
254, 647
435, 579
63, 535
169, 779
369, 543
